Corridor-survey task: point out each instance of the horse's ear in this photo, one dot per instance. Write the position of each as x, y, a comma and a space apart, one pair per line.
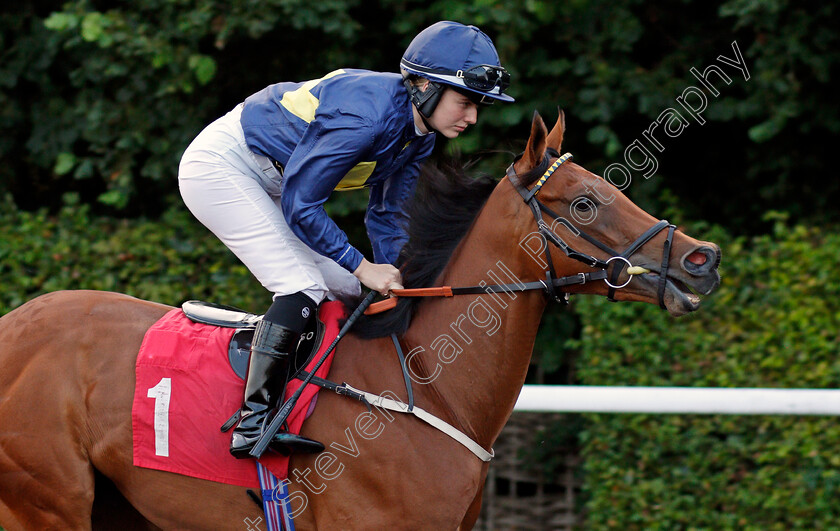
535, 150
555, 137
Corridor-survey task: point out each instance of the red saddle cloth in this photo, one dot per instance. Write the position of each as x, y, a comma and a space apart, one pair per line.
186, 389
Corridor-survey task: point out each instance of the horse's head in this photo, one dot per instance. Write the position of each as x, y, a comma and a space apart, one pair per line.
587, 225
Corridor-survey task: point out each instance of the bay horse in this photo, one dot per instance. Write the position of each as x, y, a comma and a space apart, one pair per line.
67, 359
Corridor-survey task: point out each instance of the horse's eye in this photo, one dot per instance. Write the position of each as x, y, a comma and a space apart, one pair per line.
584, 204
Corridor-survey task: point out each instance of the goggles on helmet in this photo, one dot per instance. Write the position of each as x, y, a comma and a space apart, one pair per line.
485, 77
491, 80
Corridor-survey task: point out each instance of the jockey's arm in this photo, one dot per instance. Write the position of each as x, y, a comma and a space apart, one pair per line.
386, 218
327, 151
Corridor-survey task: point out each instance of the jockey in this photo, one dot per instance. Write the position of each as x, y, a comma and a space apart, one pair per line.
259, 176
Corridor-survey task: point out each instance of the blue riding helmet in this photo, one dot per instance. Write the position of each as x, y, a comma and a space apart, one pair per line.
460, 56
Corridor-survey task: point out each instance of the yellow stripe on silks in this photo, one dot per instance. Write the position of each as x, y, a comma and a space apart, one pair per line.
357, 176
301, 102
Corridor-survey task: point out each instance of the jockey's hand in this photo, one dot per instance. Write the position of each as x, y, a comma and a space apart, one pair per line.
379, 277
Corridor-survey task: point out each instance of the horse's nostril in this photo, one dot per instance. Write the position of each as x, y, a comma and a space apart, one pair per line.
697, 258
701, 260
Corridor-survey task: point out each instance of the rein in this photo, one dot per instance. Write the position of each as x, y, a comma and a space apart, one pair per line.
552, 283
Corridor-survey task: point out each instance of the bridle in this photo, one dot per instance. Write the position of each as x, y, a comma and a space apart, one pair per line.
622, 259
552, 285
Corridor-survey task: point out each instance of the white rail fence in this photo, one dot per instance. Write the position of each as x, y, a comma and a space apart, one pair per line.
686, 400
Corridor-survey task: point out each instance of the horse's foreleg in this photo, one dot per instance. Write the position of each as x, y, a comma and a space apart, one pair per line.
473, 511
28, 500
46, 480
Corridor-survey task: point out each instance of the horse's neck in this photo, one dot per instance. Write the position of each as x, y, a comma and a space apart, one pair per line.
480, 346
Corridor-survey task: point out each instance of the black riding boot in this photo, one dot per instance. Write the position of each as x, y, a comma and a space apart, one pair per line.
273, 346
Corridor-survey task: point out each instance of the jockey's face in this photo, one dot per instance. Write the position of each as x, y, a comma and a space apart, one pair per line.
453, 114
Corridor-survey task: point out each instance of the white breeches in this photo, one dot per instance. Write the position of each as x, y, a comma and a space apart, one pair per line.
236, 194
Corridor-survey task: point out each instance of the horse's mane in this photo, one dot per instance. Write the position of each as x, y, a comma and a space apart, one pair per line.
446, 201
445, 204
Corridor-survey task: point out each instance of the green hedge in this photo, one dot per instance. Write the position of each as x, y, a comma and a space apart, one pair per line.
168, 261
773, 323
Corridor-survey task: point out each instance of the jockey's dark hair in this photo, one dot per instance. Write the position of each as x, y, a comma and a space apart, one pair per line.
445, 204
414, 79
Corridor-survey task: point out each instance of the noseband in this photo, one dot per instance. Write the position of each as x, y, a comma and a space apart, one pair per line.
621, 259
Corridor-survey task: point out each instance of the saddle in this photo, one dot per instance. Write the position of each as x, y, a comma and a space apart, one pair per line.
245, 323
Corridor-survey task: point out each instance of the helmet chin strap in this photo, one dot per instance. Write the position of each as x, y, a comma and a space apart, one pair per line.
428, 125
